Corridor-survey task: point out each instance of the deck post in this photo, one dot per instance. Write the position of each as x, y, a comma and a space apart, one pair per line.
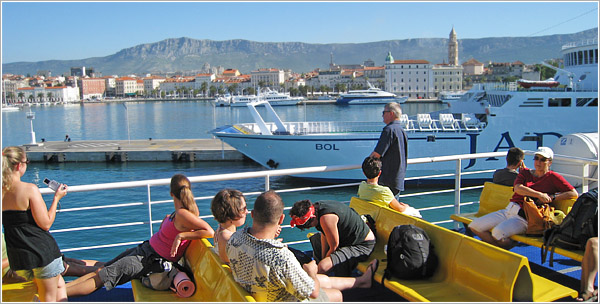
457, 179
149, 209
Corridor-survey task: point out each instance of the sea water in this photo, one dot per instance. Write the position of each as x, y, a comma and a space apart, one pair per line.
168, 120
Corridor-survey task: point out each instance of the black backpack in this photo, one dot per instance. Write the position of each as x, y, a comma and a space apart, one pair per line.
578, 226
410, 254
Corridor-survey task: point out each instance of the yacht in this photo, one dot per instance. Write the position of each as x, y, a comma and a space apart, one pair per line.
273, 97
372, 95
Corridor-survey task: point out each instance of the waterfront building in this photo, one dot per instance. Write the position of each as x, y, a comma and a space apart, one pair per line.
472, 67
91, 87
329, 78
62, 93
446, 78
151, 84
177, 83
110, 86
231, 73
268, 77
10, 84
409, 78
126, 86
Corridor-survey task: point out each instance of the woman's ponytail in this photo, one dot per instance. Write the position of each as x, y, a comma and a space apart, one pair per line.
181, 189
11, 156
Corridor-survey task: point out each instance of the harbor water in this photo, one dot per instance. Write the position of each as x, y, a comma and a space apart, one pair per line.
168, 120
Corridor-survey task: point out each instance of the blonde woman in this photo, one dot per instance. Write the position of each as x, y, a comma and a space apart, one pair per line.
168, 244
32, 251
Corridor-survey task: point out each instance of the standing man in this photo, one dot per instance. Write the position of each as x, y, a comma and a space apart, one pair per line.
392, 148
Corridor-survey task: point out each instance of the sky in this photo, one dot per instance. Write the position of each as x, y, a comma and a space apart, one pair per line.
37, 31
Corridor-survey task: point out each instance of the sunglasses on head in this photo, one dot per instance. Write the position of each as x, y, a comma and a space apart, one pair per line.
540, 158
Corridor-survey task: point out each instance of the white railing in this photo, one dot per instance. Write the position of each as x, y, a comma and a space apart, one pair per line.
267, 174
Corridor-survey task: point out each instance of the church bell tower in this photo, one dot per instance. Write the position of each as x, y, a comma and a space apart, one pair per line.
453, 48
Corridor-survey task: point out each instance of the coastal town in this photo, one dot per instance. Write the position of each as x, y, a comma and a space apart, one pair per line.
414, 79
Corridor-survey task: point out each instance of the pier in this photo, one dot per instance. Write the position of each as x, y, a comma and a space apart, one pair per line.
188, 150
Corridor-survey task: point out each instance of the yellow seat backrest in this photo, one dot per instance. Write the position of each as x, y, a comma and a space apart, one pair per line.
488, 269
364, 207
493, 197
445, 243
387, 220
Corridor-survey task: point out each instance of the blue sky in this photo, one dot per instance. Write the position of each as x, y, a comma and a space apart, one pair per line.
36, 31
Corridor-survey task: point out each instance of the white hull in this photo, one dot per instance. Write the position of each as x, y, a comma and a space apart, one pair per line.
514, 123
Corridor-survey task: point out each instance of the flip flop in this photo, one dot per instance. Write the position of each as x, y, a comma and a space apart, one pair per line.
592, 298
373, 270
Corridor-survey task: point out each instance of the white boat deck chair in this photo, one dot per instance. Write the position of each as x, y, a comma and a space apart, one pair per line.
448, 122
470, 122
425, 122
406, 123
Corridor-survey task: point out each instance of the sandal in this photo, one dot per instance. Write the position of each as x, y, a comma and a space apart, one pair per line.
587, 297
373, 267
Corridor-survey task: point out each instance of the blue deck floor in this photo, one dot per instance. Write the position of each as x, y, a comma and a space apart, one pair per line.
565, 271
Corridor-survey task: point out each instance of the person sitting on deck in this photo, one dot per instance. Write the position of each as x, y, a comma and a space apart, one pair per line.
514, 162
344, 239
167, 245
268, 270
541, 184
229, 209
371, 191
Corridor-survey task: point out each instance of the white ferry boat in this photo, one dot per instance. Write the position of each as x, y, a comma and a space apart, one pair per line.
372, 95
490, 117
273, 97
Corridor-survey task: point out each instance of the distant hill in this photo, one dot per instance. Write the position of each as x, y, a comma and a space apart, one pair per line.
185, 54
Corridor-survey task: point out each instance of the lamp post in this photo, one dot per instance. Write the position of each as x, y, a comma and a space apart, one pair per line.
31, 117
127, 120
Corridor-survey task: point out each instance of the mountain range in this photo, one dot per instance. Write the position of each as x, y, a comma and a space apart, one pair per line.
177, 55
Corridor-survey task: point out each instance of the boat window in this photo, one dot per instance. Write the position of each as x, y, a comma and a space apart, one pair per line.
594, 103
596, 55
585, 57
581, 102
579, 57
559, 102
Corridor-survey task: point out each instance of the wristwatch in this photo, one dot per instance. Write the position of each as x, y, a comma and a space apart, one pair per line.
553, 197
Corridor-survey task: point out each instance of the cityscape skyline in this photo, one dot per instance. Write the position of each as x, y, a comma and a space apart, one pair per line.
96, 25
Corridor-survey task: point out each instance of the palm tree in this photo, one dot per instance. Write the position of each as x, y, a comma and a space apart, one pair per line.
21, 95
232, 88
40, 96
49, 95
212, 90
204, 87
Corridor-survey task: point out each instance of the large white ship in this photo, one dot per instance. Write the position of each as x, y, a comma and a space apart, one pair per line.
488, 118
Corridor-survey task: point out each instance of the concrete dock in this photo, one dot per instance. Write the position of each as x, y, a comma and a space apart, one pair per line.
134, 150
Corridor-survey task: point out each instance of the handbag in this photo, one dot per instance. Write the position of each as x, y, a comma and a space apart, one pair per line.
539, 217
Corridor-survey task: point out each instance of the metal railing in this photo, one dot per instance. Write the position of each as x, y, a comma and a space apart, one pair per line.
457, 175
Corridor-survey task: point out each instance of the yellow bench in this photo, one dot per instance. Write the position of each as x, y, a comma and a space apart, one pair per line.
469, 270
495, 197
19, 292
213, 279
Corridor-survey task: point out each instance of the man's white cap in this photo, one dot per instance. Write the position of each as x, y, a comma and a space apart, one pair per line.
545, 152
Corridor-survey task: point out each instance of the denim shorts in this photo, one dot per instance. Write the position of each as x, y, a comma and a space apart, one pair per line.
51, 270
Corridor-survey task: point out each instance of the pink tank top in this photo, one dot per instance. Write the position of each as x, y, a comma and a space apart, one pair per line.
162, 241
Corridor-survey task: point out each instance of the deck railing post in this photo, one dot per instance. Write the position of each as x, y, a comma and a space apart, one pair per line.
267, 183
584, 181
457, 179
149, 210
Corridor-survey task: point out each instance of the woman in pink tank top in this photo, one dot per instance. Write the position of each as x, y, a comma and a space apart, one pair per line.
173, 237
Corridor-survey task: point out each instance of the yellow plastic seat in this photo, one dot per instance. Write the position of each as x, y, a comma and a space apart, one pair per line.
19, 292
